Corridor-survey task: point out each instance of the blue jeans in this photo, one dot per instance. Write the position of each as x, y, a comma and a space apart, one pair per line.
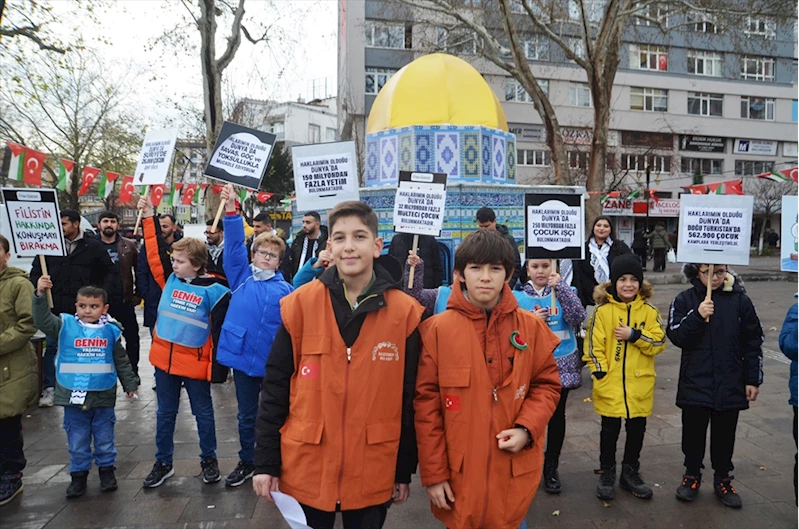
48, 363
247, 391
81, 426
168, 401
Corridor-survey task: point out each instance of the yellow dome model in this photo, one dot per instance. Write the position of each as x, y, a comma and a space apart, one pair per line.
436, 89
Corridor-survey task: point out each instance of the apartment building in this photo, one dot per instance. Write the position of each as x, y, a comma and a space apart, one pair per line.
294, 123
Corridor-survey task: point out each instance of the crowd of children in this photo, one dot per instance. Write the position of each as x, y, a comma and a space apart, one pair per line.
347, 385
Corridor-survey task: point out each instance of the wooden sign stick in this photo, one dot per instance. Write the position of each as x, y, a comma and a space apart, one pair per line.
554, 269
709, 286
141, 211
43, 263
413, 268
218, 217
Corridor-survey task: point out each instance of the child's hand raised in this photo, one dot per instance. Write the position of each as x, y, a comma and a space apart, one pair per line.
512, 440
413, 260
146, 206
228, 196
44, 284
622, 332
325, 258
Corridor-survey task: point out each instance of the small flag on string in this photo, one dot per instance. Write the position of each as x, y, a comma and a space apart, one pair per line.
26, 164
774, 177
87, 179
174, 193
792, 173
65, 168
199, 196
126, 190
634, 194
188, 194
243, 193
106, 184
263, 196
156, 194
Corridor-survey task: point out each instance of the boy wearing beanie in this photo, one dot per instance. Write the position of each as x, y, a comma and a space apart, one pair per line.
624, 335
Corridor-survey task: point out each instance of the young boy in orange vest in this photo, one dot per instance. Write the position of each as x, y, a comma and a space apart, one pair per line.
486, 388
335, 426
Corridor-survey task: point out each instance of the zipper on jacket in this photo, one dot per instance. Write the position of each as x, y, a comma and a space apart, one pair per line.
624, 368
494, 392
491, 439
343, 424
171, 348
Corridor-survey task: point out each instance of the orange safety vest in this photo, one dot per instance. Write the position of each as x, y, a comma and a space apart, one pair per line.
340, 442
459, 411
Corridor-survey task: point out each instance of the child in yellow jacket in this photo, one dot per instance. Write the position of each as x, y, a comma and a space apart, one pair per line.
624, 335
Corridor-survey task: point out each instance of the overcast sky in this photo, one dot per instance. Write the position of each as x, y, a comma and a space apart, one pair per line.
282, 71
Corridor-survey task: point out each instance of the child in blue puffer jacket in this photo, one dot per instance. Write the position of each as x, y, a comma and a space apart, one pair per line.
252, 321
789, 346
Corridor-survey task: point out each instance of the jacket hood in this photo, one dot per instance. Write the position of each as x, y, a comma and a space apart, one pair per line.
388, 274
458, 301
501, 228
605, 294
10, 272
732, 282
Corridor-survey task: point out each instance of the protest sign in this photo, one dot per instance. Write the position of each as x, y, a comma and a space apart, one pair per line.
240, 156
789, 231
34, 221
715, 229
419, 203
324, 174
554, 225
155, 157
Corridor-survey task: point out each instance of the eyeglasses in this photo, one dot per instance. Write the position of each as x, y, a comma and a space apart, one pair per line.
717, 273
267, 255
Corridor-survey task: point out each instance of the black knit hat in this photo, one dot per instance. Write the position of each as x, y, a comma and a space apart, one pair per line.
626, 264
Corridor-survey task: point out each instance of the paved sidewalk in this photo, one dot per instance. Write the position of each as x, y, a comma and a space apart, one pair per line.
764, 455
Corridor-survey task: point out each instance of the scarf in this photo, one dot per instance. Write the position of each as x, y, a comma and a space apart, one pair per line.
100, 323
530, 290
259, 274
599, 259
215, 251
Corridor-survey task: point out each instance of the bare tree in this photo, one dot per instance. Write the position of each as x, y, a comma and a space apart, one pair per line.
70, 109
768, 201
589, 32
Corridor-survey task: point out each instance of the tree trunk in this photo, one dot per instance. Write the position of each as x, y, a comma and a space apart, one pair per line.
766, 215
212, 89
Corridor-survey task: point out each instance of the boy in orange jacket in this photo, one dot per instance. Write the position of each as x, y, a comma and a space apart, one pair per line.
486, 388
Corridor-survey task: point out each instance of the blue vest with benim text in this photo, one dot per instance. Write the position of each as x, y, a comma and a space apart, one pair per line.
184, 312
85, 360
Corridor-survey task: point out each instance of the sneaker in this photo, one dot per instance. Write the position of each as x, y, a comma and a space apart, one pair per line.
158, 475
551, 477
607, 481
689, 489
210, 468
243, 472
108, 481
10, 486
48, 397
726, 493
632, 481
78, 485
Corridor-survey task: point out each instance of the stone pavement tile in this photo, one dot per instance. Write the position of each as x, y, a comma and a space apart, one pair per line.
778, 426
188, 487
772, 488
97, 513
747, 431
581, 443
667, 435
673, 419
220, 507
19, 515
746, 468
576, 428
145, 510
746, 448
36, 474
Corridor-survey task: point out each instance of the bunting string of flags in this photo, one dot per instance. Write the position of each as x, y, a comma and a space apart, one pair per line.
785, 175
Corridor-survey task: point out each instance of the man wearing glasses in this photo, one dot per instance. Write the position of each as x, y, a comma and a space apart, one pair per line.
215, 241
251, 323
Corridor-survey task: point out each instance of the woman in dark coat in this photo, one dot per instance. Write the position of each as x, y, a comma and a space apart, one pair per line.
600, 251
720, 371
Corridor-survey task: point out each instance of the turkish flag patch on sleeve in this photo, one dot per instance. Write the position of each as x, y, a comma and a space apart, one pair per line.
309, 370
452, 402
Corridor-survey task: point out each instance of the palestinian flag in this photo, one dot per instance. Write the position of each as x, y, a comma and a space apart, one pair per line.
106, 184
243, 194
65, 168
774, 177
198, 197
173, 195
26, 164
634, 194
88, 177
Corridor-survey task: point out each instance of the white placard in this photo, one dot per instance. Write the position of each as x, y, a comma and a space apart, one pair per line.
554, 226
789, 235
715, 229
325, 174
155, 157
419, 203
291, 510
34, 221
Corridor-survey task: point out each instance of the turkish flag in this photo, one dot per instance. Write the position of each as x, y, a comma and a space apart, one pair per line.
452, 402
217, 188
263, 196
34, 163
88, 177
308, 370
156, 194
126, 191
734, 187
188, 194
792, 173
699, 190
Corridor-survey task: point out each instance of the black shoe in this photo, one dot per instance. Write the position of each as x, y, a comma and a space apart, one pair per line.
210, 468
78, 485
632, 481
158, 475
108, 481
726, 493
607, 481
243, 472
10, 486
551, 477
689, 489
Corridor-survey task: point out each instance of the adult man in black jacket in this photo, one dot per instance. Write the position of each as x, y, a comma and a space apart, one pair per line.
86, 263
487, 220
427, 251
308, 242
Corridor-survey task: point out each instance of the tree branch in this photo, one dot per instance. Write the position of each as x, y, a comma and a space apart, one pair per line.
234, 40
29, 32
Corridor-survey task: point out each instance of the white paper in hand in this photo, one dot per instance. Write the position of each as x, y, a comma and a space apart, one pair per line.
291, 510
